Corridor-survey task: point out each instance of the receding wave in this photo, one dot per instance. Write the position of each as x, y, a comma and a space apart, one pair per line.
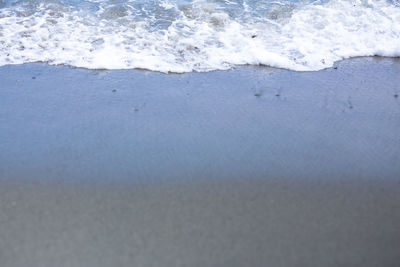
202, 35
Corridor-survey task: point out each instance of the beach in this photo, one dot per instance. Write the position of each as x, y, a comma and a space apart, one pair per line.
253, 166
59, 122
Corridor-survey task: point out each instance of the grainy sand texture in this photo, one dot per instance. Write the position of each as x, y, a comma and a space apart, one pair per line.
249, 167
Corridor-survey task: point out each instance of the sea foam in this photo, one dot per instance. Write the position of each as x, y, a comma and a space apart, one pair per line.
184, 36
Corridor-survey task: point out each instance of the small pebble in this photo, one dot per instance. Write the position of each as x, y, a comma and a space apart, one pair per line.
114, 90
396, 96
257, 94
335, 68
278, 95
33, 77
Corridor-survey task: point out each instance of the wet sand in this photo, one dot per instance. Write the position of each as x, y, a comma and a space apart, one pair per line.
250, 167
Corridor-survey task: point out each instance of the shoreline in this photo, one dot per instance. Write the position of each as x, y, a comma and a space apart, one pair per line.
233, 68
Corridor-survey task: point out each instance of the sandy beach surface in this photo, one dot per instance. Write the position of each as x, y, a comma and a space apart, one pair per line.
254, 166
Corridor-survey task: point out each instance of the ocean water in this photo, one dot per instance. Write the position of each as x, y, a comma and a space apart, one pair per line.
197, 35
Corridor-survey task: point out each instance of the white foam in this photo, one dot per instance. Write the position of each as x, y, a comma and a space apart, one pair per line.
202, 38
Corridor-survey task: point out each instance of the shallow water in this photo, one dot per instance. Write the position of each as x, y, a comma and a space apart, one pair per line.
196, 35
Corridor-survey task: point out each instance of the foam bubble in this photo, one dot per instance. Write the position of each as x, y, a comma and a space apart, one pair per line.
198, 35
